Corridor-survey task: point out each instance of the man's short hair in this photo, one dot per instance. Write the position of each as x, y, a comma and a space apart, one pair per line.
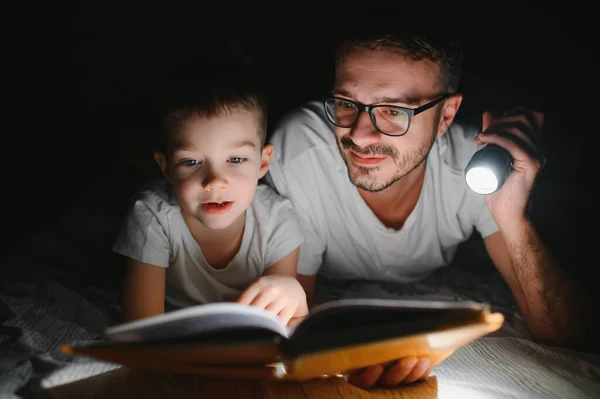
445, 52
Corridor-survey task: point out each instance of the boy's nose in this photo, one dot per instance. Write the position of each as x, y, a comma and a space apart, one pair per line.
213, 181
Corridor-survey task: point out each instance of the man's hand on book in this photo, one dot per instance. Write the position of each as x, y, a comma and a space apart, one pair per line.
282, 295
402, 371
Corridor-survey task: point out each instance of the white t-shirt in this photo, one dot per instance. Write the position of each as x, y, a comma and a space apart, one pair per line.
343, 237
154, 232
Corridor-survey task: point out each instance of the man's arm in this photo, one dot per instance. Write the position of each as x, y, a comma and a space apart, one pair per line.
550, 302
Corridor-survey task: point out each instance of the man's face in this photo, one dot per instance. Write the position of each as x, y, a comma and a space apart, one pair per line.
375, 161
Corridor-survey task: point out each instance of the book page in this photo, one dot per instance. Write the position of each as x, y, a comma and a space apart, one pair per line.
409, 304
195, 321
358, 321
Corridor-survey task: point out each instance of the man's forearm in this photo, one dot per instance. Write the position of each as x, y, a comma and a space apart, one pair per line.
556, 314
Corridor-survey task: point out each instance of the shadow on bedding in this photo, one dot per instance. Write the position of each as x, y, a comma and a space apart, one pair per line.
62, 284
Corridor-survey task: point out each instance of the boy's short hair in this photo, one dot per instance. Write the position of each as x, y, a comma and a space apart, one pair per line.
231, 89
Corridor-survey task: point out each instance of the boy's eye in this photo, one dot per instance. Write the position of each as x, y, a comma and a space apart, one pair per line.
189, 162
237, 160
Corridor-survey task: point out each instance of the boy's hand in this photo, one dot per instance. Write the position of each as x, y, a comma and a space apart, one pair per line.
281, 295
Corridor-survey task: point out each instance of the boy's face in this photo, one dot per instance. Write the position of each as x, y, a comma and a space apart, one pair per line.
215, 165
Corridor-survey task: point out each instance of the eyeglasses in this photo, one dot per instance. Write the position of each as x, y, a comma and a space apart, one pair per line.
391, 120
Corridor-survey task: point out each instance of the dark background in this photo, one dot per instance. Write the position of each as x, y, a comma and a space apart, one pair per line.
81, 83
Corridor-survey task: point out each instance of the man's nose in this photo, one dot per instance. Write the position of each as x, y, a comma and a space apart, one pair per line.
364, 132
213, 180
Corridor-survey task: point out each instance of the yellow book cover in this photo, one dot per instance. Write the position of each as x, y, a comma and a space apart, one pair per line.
234, 340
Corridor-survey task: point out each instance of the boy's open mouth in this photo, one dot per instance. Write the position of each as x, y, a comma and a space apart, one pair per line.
217, 207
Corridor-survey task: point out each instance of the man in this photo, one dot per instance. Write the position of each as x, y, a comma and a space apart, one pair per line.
376, 173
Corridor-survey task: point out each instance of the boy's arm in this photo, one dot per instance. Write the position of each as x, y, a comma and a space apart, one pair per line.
143, 290
287, 265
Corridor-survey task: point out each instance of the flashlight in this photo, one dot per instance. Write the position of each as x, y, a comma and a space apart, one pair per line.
488, 169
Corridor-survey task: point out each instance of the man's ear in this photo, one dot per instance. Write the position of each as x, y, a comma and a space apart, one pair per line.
265, 159
162, 162
448, 112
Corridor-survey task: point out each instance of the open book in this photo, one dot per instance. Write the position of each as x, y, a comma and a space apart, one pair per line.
229, 339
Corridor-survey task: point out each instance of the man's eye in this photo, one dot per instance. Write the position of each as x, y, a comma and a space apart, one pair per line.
237, 160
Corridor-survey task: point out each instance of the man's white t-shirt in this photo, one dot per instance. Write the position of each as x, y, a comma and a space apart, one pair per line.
154, 232
343, 237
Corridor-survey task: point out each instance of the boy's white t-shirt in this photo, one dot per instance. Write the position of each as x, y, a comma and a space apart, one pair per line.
343, 237
154, 232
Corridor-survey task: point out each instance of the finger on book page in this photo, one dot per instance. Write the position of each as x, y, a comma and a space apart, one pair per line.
248, 295
277, 305
264, 298
286, 314
295, 322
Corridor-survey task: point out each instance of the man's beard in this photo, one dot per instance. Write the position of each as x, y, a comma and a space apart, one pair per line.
405, 163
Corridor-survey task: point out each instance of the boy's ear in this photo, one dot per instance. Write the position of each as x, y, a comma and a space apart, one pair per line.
161, 160
265, 161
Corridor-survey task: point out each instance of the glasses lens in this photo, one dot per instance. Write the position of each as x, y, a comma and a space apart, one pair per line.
391, 120
340, 112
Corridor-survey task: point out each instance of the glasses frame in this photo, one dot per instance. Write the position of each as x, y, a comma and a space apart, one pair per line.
368, 108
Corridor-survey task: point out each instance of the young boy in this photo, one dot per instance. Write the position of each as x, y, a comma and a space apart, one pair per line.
208, 231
